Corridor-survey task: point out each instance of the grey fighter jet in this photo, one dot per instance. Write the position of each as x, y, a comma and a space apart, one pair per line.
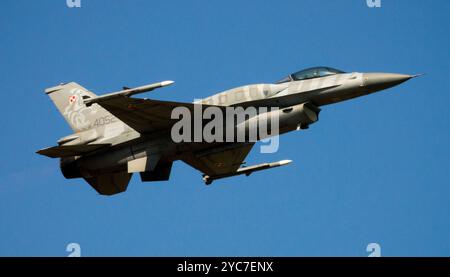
116, 135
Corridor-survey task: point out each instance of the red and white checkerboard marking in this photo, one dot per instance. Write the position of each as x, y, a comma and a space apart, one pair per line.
72, 99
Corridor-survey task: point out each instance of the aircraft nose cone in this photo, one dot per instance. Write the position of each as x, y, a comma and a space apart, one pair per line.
380, 81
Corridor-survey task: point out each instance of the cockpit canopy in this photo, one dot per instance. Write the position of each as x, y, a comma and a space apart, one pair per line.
310, 73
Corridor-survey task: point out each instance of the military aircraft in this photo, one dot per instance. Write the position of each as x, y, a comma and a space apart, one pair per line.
116, 135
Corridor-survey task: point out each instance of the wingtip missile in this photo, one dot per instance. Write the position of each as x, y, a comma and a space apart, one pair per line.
146, 88
166, 83
283, 162
127, 92
246, 170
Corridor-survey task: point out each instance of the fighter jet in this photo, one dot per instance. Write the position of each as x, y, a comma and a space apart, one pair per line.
116, 135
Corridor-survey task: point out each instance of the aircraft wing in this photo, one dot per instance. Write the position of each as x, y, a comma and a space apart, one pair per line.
70, 150
144, 115
219, 160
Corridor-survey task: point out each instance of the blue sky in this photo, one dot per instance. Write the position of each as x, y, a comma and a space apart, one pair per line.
374, 169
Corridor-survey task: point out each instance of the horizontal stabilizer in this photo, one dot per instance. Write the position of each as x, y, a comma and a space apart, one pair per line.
70, 150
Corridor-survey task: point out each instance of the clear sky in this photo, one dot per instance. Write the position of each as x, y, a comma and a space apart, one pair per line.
374, 169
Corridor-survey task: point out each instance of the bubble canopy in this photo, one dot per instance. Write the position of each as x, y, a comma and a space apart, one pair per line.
310, 73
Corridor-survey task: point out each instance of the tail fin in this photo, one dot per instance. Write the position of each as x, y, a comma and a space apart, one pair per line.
69, 99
